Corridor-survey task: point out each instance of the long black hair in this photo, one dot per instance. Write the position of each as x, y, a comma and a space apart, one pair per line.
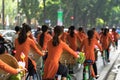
90, 34
71, 31
80, 29
58, 30
105, 31
17, 28
41, 40
22, 35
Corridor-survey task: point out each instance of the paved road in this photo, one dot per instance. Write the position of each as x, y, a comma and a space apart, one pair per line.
114, 73
102, 70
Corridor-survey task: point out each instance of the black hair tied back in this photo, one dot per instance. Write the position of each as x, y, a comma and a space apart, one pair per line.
57, 30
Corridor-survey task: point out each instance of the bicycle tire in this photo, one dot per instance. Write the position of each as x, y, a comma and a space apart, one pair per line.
85, 73
91, 78
69, 77
73, 77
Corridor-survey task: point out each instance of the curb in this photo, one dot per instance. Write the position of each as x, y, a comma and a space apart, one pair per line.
108, 67
118, 76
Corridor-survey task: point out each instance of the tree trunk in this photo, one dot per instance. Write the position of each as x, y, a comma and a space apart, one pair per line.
28, 21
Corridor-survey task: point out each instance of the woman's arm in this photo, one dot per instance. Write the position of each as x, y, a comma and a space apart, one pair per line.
34, 46
67, 48
81, 46
7, 68
99, 45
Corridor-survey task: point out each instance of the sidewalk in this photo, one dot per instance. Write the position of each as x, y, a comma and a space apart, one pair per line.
102, 70
113, 57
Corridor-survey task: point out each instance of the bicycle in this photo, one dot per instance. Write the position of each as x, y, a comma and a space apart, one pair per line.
87, 72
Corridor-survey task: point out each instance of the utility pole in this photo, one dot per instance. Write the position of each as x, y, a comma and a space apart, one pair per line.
3, 8
44, 11
17, 6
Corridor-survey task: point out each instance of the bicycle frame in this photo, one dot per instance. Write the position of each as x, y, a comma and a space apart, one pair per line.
87, 74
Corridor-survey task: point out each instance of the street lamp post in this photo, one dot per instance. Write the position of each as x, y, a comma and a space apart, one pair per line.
3, 7
60, 15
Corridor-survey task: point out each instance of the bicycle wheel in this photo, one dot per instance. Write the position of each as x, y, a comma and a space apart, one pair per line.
86, 73
73, 77
69, 77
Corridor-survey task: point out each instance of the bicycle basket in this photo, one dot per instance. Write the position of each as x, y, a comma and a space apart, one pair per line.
11, 61
67, 58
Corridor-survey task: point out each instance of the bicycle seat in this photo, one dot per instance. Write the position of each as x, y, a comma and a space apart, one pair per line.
88, 62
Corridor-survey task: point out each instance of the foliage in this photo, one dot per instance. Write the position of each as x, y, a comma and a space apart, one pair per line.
99, 22
10, 10
85, 12
30, 8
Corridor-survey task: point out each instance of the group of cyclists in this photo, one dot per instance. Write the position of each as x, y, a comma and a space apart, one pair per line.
54, 42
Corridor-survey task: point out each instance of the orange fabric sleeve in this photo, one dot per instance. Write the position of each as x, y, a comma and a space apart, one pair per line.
38, 38
66, 47
99, 46
79, 38
110, 39
47, 38
64, 36
117, 36
81, 45
96, 35
7, 68
31, 37
34, 46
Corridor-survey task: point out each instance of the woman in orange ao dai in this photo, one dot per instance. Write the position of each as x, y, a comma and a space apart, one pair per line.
55, 50
72, 38
24, 43
5, 66
88, 46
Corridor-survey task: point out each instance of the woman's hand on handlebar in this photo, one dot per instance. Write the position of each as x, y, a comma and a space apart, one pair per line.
21, 70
